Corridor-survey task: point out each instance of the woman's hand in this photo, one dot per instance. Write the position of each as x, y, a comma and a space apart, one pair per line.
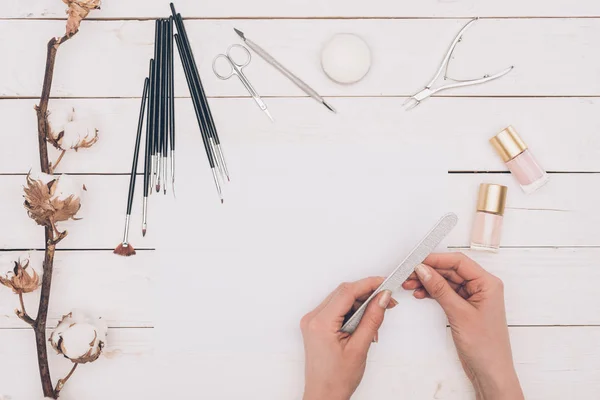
335, 361
473, 300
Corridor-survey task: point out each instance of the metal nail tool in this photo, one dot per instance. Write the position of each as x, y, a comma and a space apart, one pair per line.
277, 65
417, 98
236, 69
406, 267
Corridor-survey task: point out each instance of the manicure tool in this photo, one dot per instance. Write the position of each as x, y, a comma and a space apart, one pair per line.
417, 98
148, 162
172, 103
406, 267
204, 116
212, 130
236, 69
125, 248
200, 116
269, 58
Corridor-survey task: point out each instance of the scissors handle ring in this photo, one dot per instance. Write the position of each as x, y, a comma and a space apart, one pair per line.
232, 58
216, 71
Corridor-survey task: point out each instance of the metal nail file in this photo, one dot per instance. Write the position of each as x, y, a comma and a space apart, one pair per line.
406, 267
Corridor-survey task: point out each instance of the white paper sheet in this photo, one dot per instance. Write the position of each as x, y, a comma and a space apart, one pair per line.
301, 215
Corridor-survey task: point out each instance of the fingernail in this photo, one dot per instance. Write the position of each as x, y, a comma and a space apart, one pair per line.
385, 298
393, 302
376, 338
423, 272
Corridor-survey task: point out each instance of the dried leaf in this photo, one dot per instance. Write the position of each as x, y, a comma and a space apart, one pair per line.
77, 11
65, 209
87, 141
37, 200
46, 205
20, 280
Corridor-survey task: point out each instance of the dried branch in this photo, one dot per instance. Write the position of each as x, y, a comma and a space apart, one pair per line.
54, 165
22, 313
39, 324
61, 382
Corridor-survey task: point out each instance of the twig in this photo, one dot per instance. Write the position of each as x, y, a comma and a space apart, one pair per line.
58, 160
39, 325
61, 382
22, 313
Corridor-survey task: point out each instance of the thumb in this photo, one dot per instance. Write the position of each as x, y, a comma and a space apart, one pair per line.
371, 321
438, 288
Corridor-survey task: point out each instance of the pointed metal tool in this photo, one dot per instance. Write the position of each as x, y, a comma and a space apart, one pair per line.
287, 73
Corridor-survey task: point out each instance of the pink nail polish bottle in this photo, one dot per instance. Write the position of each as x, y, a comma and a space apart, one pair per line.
519, 160
487, 228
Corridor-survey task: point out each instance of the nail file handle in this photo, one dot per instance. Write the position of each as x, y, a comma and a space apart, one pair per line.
406, 267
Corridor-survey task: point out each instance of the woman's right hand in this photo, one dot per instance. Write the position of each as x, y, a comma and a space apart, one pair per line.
473, 300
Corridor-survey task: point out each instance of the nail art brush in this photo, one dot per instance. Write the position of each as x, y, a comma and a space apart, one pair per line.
172, 103
287, 73
154, 164
220, 156
125, 248
164, 105
149, 146
198, 110
161, 105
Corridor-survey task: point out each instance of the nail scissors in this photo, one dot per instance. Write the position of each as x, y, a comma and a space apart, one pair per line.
236, 69
417, 98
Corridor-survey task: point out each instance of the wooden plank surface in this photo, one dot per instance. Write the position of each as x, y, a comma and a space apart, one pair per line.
543, 286
551, 243
462, 125
553, 363
313, 8
564, 213
552, 57
119, 289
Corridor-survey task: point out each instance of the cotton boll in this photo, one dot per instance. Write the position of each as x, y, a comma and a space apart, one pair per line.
67, 187
76, 340
38, 175
79, 337
346, 58
58, 117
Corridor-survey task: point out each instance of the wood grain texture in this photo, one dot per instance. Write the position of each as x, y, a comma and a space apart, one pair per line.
553, 363
552, 57
563, 213
543, 286
312, 8
462, 125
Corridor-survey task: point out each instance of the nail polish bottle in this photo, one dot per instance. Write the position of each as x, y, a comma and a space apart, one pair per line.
487, 228
519, 160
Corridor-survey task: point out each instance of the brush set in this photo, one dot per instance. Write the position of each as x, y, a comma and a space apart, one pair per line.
158, 111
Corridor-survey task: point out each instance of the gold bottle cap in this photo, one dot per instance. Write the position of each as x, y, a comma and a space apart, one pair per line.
508, 144
492, 198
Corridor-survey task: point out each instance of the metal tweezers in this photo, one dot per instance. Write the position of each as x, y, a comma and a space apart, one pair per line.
417, 98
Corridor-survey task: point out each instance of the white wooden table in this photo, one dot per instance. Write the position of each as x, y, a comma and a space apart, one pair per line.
551, 246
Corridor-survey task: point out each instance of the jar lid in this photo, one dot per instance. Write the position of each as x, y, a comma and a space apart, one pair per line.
492, 198
508, 144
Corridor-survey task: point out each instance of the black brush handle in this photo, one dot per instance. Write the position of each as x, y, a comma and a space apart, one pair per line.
136, 152
197, 107
171, 87
155, 80
149, 130
160, 91
166, 90
187, 46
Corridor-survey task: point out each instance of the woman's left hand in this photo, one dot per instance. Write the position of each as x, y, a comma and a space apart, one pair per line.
335, 361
